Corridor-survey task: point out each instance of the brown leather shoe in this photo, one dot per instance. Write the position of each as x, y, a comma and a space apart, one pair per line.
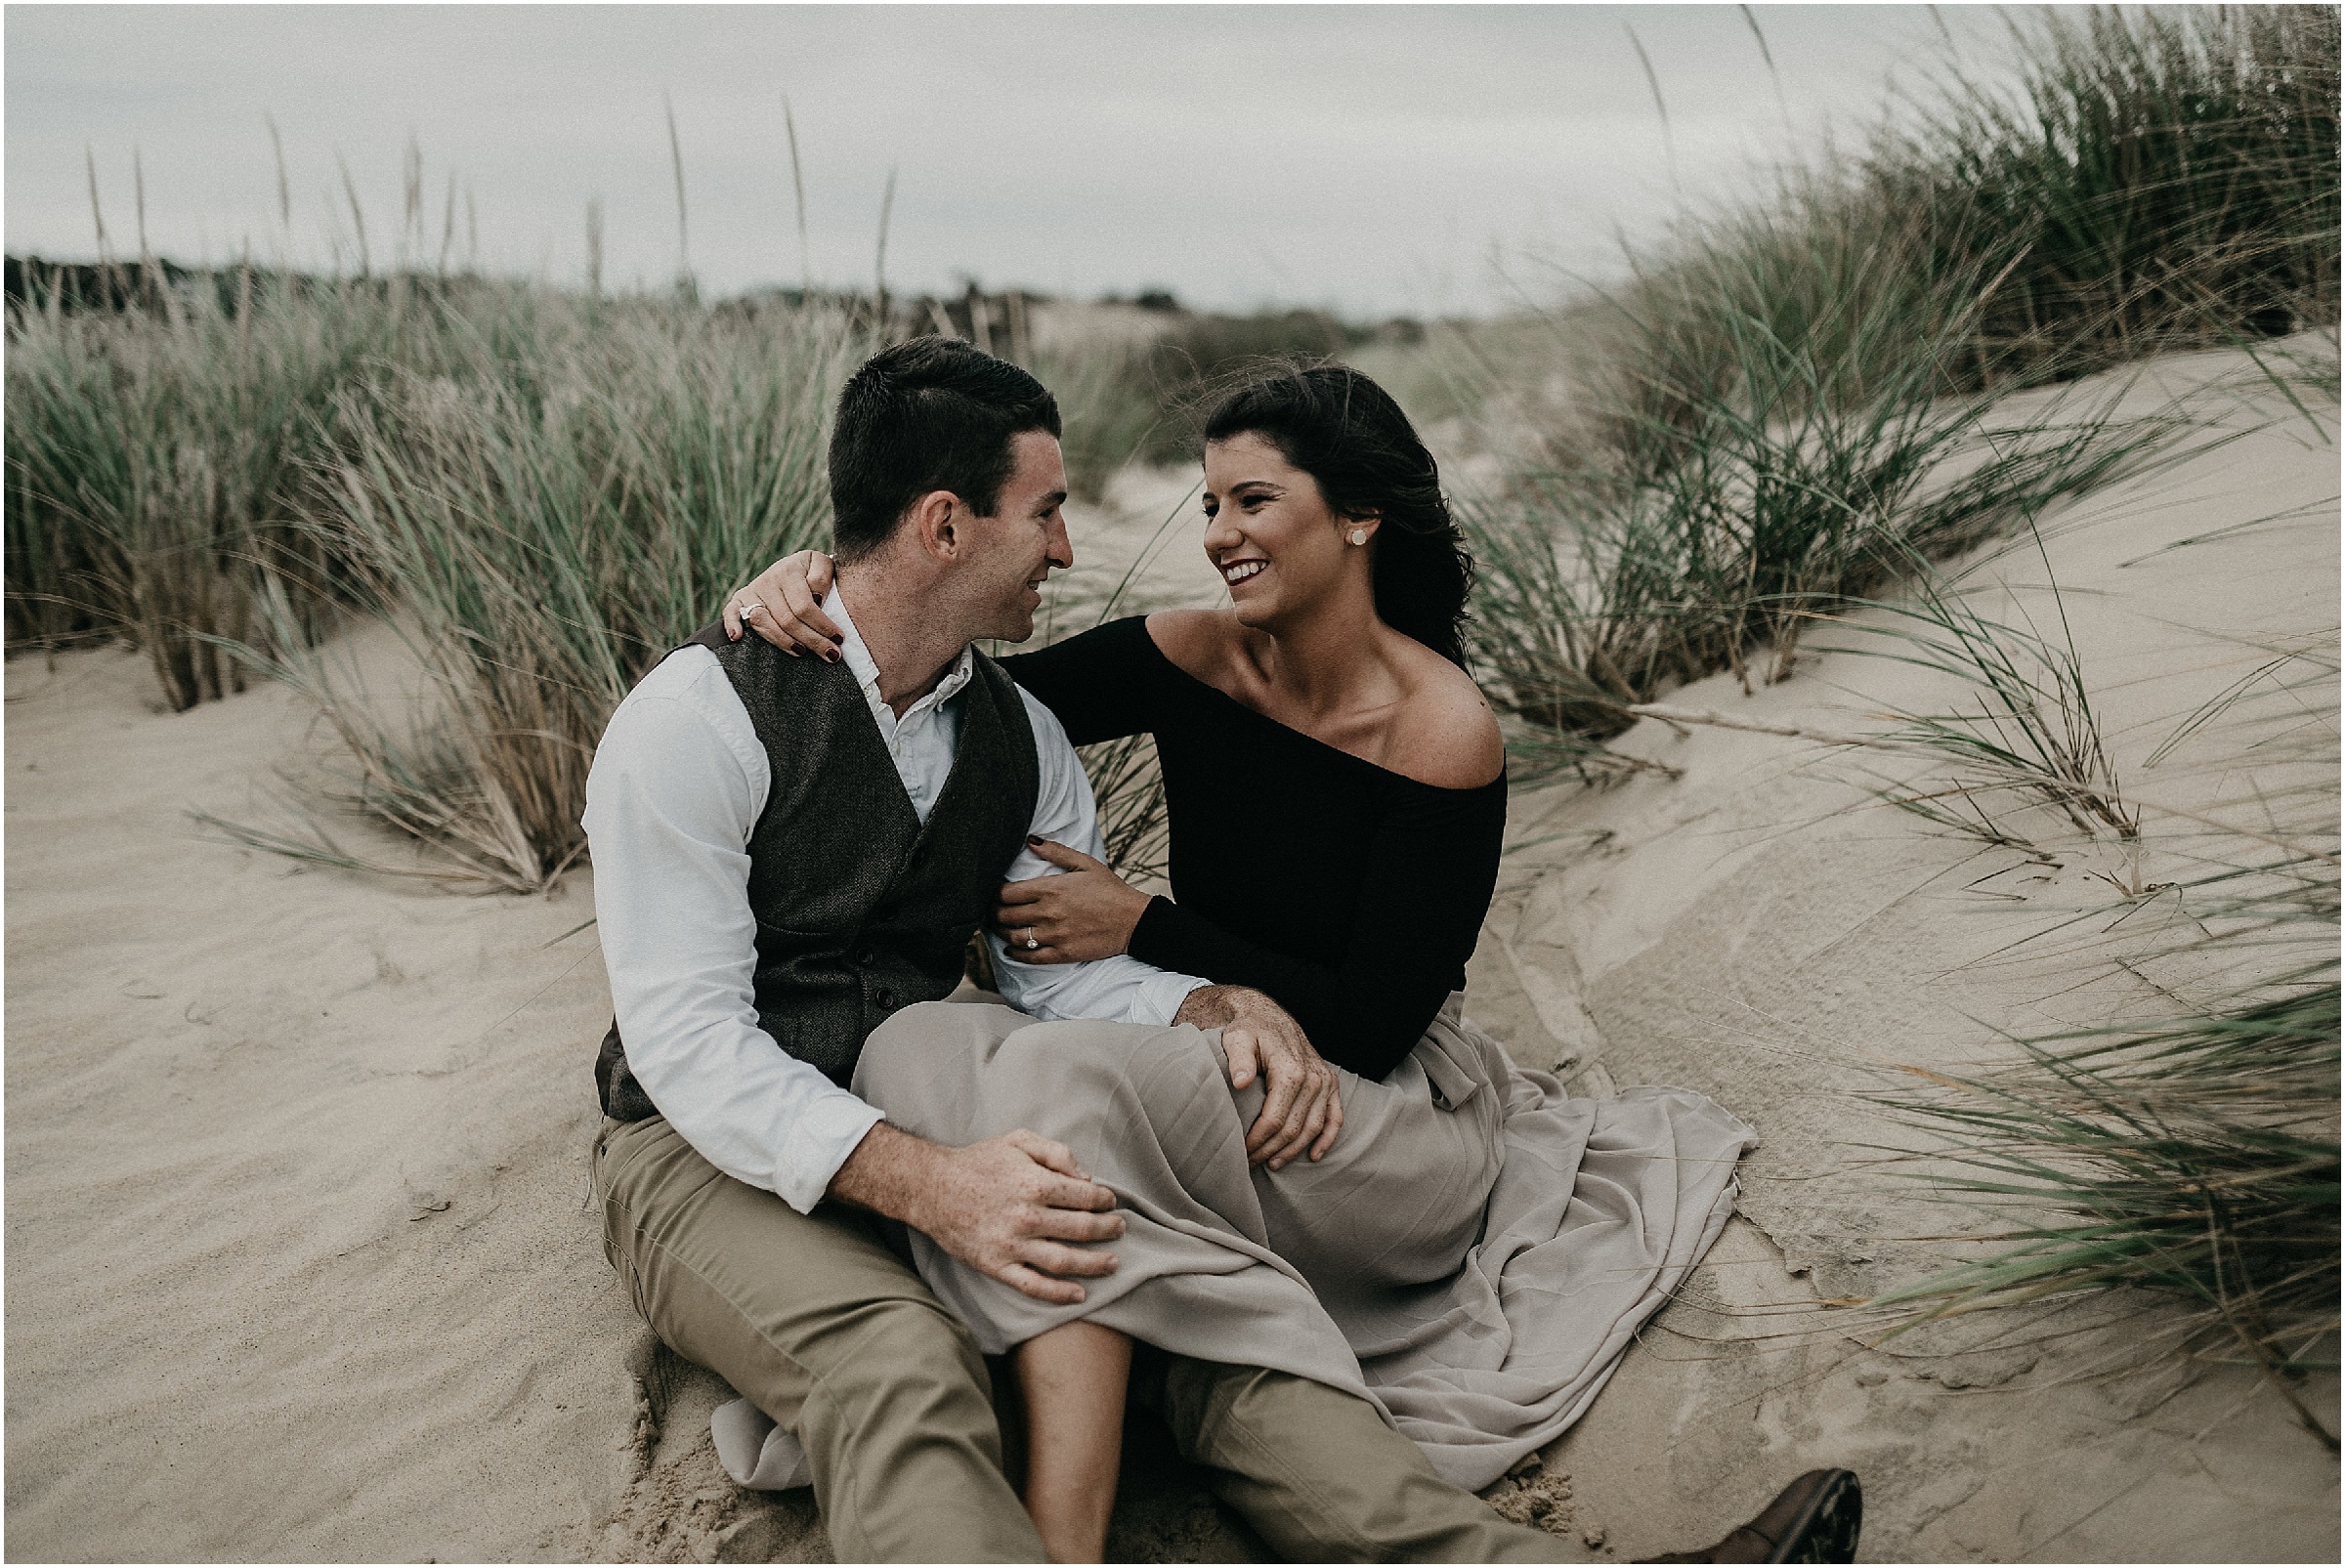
1814, 1519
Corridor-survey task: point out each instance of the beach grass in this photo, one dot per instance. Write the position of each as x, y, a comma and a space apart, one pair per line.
1108, 415
2195, 1158
2025, 730
2161, 178
158, 460
541, 528
2190, 1154
1793, 400
1753, 516
1142, 397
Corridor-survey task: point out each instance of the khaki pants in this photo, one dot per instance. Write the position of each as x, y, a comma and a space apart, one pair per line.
814, 1321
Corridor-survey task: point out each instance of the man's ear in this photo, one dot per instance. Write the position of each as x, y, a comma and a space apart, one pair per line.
936, 524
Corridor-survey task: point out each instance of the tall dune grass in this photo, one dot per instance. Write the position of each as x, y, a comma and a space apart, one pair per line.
2139, 180
2159, 177
1754, 515
1143, 398
2196, 1159
2024, 730
2192, 1155
1799, 405
1108, 415
157, 460
543, 526
1791, 399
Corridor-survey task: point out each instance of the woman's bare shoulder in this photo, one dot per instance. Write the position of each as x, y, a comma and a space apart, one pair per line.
1198, 641
1447, 735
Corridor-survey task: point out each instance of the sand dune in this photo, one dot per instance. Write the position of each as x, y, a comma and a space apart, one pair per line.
300, 1262
1761, 930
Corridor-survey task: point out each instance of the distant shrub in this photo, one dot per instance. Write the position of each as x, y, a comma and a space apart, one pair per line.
1204, 350
1139, 400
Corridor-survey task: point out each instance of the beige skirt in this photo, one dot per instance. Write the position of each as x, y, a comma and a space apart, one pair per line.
1473, 1256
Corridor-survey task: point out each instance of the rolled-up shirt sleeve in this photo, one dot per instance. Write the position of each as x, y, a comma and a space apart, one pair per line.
1120, 989
676, 788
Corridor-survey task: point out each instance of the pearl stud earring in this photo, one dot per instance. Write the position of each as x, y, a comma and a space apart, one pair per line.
1359, 535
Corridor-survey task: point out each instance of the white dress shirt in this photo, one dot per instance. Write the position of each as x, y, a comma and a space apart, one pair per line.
677, 786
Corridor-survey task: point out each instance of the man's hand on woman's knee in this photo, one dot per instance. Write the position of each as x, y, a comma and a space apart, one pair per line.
1303, 1105
1009, 1206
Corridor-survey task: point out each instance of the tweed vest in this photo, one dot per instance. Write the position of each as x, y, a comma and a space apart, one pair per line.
861, 908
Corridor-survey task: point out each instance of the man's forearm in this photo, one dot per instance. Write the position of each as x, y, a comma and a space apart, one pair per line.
1214, 1006
890, 1172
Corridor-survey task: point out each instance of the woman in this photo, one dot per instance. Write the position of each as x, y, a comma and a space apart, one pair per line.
1337, 801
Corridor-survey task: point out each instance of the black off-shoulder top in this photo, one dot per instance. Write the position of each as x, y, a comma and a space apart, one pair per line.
1350, 894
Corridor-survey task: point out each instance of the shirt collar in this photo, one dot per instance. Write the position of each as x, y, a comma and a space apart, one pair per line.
866, 671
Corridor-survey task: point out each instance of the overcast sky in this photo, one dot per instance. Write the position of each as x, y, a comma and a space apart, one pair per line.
1376, 159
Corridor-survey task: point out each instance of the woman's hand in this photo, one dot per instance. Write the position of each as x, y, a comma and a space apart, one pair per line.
1087, 911
784, 607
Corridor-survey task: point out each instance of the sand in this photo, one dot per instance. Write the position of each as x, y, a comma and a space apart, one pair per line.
1759, 929
301, 1264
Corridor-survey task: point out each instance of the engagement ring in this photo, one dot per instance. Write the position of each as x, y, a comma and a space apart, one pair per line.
1031, 943
746, 606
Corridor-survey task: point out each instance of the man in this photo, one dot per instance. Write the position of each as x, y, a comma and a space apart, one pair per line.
788, 851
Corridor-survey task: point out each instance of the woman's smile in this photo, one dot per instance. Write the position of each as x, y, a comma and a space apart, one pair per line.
1258, 503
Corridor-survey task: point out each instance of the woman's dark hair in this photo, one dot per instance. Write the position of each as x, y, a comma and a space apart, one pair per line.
1346, 432
931, 414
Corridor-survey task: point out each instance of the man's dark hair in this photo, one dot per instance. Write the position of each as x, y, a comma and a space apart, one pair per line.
931, 414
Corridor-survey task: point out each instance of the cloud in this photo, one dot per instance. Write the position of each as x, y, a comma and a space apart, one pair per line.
1369, 158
